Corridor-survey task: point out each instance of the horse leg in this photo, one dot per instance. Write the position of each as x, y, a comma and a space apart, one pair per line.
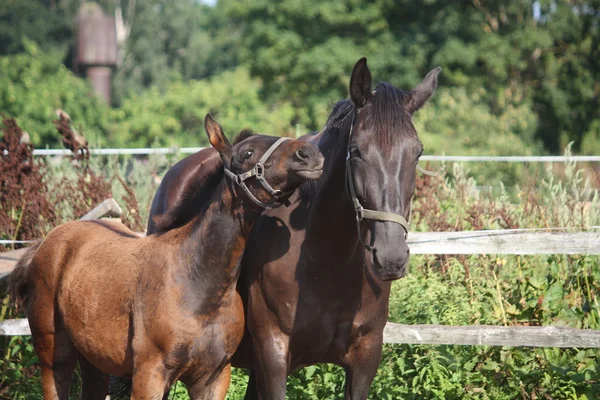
216, 390
271, 367
361, 363
251, 389
94, 383
58, 358
150, 381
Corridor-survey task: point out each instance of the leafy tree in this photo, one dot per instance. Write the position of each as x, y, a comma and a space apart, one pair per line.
304, 51
541, 54
175, 116
34, 84
31, 19
173, 40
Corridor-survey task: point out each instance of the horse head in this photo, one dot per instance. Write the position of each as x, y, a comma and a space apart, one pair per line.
268, 169
383, 151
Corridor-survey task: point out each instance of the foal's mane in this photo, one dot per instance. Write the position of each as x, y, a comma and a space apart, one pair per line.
197, 194
388, 117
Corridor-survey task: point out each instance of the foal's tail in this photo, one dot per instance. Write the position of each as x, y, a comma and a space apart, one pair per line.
17, 280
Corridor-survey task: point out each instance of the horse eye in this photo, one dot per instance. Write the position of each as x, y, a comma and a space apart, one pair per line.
248, 154
355, 152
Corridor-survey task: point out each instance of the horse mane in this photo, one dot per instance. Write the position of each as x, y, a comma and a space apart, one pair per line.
335, 123
387, 116
197, 194
243, 135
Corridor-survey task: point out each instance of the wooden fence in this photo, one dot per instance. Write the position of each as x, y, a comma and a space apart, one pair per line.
516, 241
478, 335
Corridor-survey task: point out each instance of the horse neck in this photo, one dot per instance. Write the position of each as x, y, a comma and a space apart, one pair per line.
332, 212
213, 247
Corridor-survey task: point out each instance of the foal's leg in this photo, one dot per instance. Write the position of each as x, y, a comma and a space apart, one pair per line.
150, 381
94, 383
58, 358
361, 363
216, 390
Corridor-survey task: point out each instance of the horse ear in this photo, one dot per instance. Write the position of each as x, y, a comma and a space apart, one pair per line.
360, 83
423, 91
216, 137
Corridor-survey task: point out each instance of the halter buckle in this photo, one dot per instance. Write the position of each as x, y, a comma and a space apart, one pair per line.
260, 170
359, 213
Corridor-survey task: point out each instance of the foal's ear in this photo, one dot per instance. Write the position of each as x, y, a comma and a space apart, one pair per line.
420, 94
216, 137
360, 83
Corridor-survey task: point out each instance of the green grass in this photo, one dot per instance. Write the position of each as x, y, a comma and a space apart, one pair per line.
451, 290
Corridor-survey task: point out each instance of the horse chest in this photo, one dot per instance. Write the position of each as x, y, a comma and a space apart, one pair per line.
215, 337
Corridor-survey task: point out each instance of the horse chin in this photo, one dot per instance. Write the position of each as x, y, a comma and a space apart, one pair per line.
387, 273
310, 174
391, 276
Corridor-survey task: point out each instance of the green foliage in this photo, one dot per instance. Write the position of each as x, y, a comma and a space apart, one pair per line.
537, 58
458, 122
304, 51
34, 84
176, 116
171, 40
32, 20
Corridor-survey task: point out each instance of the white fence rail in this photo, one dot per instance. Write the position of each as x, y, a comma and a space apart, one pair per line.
190, 150
511, 241
472, 335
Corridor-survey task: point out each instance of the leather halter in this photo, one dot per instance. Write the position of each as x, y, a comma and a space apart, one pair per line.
361, 212
258, 171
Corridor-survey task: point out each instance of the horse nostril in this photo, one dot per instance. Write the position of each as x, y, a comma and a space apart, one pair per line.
302, 154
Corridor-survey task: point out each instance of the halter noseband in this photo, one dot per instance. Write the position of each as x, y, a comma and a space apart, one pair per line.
259, 172
361, 212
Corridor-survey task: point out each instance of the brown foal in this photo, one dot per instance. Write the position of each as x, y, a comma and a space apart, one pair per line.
164, 307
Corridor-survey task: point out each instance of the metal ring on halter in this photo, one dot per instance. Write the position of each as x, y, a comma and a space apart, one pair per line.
258, 171
363, 213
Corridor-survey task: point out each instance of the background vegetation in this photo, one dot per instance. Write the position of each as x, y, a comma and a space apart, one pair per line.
520, 77
523, 73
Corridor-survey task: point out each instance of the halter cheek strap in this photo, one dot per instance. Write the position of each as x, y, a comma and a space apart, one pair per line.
258, 171
363, 213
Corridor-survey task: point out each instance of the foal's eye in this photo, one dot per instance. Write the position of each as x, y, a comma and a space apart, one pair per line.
248, 154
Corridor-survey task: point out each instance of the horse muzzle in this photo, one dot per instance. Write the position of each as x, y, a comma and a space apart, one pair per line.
390, 260
308, 162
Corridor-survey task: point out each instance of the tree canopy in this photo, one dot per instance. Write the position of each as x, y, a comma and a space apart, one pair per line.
528, 70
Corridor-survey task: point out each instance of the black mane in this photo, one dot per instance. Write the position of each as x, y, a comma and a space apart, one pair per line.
243, 135
388, 113
388, 117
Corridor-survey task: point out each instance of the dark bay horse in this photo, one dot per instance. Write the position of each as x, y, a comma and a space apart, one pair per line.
162, 307
315, 283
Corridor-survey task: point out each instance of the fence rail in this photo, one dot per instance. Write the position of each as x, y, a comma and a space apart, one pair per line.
513, 241
189, 150
472, 335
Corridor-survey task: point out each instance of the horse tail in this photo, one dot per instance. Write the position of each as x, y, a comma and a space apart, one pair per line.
17, 280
